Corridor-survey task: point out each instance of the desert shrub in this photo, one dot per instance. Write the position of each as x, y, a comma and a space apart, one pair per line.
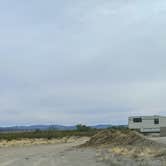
81, 127
49, 134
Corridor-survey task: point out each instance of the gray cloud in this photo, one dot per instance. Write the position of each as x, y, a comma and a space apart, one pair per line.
81, 61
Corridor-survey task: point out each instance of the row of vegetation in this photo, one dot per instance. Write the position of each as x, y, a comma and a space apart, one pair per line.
81, 130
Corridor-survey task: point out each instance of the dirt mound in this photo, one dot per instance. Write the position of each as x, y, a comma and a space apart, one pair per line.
118, 138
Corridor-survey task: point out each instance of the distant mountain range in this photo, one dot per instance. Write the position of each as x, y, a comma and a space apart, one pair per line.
47, 127
52, 127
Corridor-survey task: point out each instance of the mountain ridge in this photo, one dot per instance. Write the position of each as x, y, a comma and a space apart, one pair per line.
49, 127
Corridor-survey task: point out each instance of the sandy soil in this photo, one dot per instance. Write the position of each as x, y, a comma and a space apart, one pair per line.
126, 147
30, 142
159, 139
64, 154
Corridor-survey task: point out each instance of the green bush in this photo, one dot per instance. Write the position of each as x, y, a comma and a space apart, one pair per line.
81, 127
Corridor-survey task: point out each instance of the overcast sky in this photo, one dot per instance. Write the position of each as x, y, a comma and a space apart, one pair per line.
81, 61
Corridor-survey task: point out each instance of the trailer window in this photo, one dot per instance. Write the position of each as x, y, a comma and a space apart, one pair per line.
137, 120
156, 121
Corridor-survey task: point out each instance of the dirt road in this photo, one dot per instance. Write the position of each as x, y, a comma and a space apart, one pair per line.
50, 155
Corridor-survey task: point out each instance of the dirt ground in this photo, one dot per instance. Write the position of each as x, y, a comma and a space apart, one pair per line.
63, 154
106, 148
30, 142
161, 140
126, 147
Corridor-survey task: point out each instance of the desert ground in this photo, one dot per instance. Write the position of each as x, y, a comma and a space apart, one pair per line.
61, 154
159, 139
106, 148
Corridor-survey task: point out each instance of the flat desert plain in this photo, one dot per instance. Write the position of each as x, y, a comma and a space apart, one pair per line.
61, 154
111, 148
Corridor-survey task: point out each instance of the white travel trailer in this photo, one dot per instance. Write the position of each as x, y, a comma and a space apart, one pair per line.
147, 123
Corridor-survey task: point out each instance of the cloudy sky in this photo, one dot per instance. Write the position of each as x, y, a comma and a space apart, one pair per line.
81, 61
